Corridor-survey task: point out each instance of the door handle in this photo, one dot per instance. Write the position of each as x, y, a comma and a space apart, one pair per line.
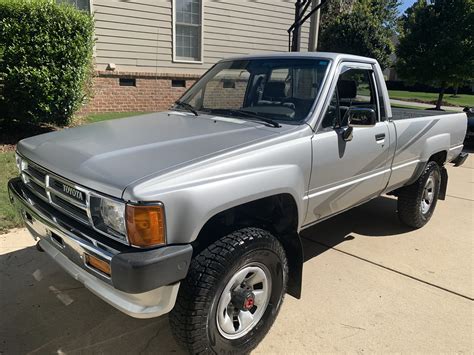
380, 137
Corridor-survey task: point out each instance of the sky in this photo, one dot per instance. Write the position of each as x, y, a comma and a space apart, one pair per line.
405, 5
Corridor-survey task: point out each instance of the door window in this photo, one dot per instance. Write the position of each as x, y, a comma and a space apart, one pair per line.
355, 88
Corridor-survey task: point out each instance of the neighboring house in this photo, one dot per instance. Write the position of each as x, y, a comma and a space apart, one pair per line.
390, 73
149, 51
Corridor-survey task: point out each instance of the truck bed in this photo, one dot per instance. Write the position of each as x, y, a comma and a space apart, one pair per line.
406, 113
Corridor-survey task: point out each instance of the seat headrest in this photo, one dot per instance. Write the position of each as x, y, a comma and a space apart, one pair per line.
274, 89
347, 89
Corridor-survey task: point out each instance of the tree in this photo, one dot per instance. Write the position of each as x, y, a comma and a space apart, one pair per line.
437, 44
333, 8
363, 27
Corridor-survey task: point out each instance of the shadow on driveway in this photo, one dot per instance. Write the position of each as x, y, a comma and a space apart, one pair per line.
43, 310
375, 219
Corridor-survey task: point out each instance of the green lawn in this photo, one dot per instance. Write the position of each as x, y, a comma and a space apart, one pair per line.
97, 117
428, 97
8, 216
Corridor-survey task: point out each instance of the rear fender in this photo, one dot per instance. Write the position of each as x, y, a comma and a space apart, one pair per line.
435, 144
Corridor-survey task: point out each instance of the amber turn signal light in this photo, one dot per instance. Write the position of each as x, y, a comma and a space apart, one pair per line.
145, 225
98, 264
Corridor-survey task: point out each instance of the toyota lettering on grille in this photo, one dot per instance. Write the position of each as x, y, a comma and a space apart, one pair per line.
72, 192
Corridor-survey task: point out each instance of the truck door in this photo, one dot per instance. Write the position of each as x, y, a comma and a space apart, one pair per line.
349, 170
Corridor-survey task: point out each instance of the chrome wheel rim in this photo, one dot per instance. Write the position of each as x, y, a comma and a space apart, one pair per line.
428, 195
252, 286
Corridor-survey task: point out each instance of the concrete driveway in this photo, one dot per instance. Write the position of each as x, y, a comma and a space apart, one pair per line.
370, 285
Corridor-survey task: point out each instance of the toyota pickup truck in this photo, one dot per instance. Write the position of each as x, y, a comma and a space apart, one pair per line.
197, 211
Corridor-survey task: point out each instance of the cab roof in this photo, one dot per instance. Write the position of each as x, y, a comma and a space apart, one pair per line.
320, 55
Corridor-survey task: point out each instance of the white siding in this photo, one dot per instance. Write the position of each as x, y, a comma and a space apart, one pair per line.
136, 35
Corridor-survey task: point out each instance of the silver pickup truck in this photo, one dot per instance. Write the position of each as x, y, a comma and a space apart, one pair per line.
197, 211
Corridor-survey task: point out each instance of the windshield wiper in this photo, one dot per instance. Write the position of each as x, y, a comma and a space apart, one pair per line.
236, 113
186, 106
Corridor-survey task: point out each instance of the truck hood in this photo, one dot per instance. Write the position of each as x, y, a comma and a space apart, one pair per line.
110, 155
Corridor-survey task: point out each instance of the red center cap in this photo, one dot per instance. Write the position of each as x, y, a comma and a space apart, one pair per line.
249, 302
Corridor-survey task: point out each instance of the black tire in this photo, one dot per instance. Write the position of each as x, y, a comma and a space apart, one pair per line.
410, 198
193, 319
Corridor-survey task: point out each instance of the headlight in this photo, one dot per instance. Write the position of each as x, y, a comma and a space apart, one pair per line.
140, 225
22, 165
112, 213
18, 161
109, 216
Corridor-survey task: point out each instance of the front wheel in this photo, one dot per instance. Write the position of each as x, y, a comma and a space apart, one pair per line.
232, 294
416, 202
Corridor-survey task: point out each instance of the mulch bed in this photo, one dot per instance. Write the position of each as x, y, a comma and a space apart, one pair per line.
7, 148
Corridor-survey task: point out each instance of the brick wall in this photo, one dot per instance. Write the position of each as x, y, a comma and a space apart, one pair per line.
219, 95
147, 91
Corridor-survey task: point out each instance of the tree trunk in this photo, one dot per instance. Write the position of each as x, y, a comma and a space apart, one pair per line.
440, 96
456, 88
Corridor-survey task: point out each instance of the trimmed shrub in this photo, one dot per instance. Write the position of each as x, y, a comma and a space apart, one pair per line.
47, 60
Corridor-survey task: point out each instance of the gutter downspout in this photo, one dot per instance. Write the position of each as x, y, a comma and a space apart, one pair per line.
314, 28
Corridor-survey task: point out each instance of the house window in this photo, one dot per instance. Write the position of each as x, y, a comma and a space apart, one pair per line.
80, 4
187, 30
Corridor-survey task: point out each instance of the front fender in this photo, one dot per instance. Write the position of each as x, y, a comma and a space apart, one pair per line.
195, 194
189, 208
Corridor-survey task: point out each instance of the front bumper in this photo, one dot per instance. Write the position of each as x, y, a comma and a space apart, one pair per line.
142, 284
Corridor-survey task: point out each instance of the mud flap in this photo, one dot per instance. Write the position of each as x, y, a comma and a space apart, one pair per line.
294, 252
444, 184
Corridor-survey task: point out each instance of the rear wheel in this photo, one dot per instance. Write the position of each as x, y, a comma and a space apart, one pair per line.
232, 294
416, 202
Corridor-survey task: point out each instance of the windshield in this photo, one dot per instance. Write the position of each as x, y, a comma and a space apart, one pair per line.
279, 89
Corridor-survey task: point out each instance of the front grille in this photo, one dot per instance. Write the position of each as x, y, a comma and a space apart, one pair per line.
66, 197
61, 194
79, 213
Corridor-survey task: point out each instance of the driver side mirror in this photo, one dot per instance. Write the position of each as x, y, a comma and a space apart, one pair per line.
357, 117
361, 117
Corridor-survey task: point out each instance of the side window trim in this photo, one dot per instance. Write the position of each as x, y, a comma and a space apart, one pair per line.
376, 94
380, 95
327, 100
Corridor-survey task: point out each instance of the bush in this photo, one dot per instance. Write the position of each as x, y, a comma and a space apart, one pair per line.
47, 60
